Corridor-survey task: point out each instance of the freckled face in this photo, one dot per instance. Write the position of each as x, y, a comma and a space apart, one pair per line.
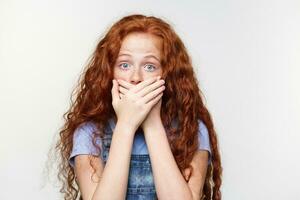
138, 58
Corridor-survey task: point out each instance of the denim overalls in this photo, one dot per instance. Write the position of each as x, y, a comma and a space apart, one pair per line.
140, 179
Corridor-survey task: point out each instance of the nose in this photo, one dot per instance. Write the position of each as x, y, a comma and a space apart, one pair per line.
136, 77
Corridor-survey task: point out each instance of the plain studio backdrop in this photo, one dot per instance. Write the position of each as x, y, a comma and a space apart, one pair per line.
245, 54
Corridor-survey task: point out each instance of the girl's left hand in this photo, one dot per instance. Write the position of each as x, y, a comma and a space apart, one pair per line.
153, 116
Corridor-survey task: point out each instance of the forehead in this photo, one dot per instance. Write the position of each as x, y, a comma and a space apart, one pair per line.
141, 43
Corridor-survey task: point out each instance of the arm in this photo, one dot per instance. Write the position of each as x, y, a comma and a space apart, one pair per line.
196, 181
84, 172
131, 110
167, 176
113, 184
114, 176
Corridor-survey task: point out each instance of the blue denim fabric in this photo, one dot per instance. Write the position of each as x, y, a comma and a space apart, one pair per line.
140, 179
82, 140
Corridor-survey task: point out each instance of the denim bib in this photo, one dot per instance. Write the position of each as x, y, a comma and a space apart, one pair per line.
140, 178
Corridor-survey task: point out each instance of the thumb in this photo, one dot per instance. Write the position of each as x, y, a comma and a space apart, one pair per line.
115, 90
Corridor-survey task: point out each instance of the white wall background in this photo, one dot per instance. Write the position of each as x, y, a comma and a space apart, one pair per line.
246, 55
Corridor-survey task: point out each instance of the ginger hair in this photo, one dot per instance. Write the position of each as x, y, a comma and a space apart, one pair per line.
182, 100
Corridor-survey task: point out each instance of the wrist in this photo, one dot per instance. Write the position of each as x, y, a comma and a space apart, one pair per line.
155, 125
126, 127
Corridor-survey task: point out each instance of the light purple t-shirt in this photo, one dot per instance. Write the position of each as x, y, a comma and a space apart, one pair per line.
82, 141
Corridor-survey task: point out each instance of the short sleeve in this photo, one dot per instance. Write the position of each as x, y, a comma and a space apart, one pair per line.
83, 142
203, 139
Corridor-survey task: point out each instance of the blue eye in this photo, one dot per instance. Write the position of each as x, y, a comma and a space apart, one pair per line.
124, 65
152, 67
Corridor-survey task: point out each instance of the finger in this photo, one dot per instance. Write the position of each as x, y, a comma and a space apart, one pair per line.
120, 86
125, 84
144, 84
151, 87
153, 94
115, 91
155, 100
121, 94
123, 90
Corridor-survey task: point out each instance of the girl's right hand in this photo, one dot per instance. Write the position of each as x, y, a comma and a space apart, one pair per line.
134, 106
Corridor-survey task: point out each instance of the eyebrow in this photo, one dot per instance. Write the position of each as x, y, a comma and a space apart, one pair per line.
148, 56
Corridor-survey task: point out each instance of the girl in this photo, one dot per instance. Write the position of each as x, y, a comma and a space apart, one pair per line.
138, 128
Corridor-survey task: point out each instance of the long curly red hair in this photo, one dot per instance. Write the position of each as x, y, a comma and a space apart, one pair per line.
182, 100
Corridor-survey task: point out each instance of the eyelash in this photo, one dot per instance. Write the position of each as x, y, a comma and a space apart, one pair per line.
154, 67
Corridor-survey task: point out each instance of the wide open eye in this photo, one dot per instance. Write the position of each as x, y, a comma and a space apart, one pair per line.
150, 67
124, 66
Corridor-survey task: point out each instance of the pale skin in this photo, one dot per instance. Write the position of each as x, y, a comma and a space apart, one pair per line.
137, 102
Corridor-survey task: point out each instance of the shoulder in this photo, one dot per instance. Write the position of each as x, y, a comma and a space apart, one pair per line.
202, 127
85, 127
88, 128
82, 141
203, 138
84, 132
